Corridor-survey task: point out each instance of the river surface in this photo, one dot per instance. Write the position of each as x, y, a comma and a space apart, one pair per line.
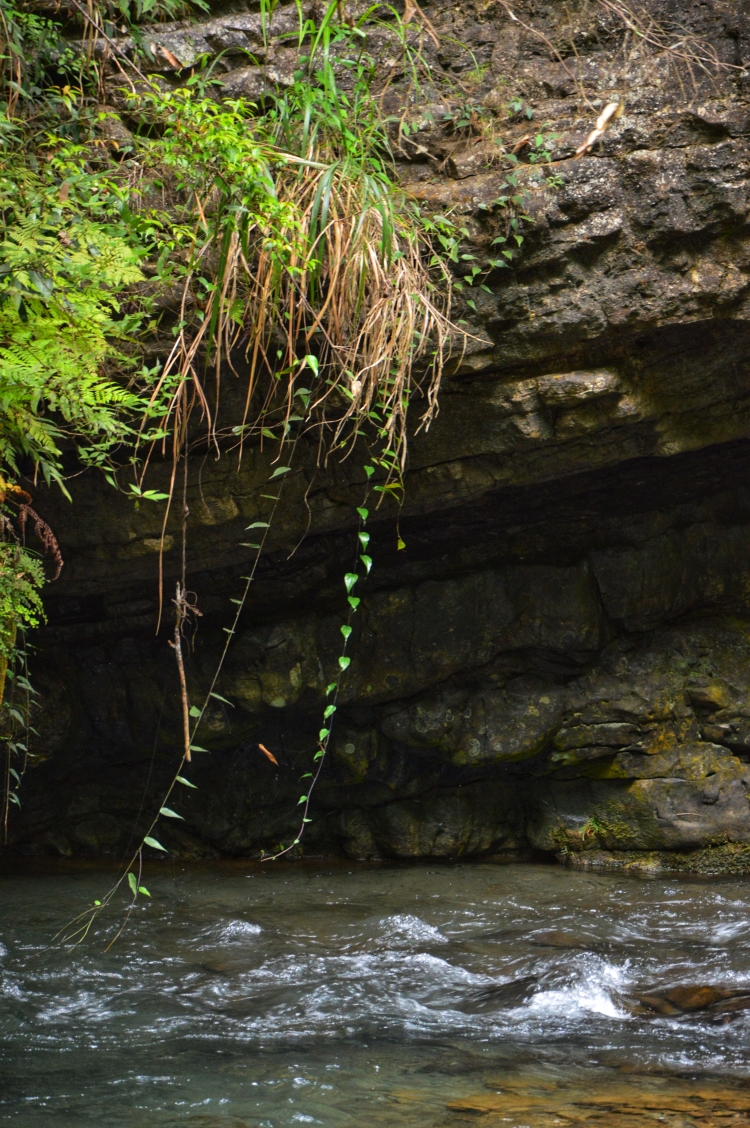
340, 995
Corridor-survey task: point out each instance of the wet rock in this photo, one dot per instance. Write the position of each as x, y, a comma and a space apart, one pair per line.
669, 812
564, 940
729, 858
512, 994
690, 999
471, 819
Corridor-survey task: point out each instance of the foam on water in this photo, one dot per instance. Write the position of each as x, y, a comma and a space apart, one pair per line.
233, 932
406, 930
360, 983
593, 988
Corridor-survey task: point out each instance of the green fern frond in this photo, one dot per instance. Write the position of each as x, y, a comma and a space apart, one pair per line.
63, 267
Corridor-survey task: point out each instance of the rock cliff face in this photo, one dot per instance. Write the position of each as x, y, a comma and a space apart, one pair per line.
560, 658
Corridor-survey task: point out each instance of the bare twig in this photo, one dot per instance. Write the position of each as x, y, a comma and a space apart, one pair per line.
181, 611
412, 9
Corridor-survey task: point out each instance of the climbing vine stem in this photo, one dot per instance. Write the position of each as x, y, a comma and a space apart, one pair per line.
391, 464
332, 689
77, 929
15, 717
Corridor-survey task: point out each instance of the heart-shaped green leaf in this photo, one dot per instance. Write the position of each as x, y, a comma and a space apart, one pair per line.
169, 813
220, 698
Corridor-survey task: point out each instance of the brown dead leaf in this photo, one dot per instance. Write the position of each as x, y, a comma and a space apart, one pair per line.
520, 144
609, 114
270, 755
165, 53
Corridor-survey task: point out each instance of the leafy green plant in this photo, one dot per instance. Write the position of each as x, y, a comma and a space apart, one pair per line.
65, 259
307, 254
518, 108
593, 828
321, 265
542, 145
27, 41
287, 232
133, 12
21, 578
471, 118
63, 265
15, 724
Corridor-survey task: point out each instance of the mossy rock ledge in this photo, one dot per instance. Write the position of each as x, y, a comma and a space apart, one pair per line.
558, 662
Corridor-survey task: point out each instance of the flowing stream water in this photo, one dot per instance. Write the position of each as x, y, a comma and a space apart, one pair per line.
401, 996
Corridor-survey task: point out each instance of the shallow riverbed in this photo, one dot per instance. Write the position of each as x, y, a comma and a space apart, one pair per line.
395, 996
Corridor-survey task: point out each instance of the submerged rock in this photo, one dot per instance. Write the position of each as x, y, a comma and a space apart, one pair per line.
669, 1101
512, 994
718, 1001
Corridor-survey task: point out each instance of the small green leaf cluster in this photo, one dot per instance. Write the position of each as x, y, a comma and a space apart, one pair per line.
511, 205
470, 117
135, 888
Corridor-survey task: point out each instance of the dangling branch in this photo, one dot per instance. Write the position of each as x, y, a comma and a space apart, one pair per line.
182, 607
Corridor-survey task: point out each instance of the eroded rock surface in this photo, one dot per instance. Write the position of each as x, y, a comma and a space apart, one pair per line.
560, 658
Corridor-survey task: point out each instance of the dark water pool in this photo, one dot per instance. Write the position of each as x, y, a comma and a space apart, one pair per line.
391, 996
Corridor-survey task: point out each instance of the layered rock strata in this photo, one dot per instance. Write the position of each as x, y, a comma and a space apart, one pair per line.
558, 661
